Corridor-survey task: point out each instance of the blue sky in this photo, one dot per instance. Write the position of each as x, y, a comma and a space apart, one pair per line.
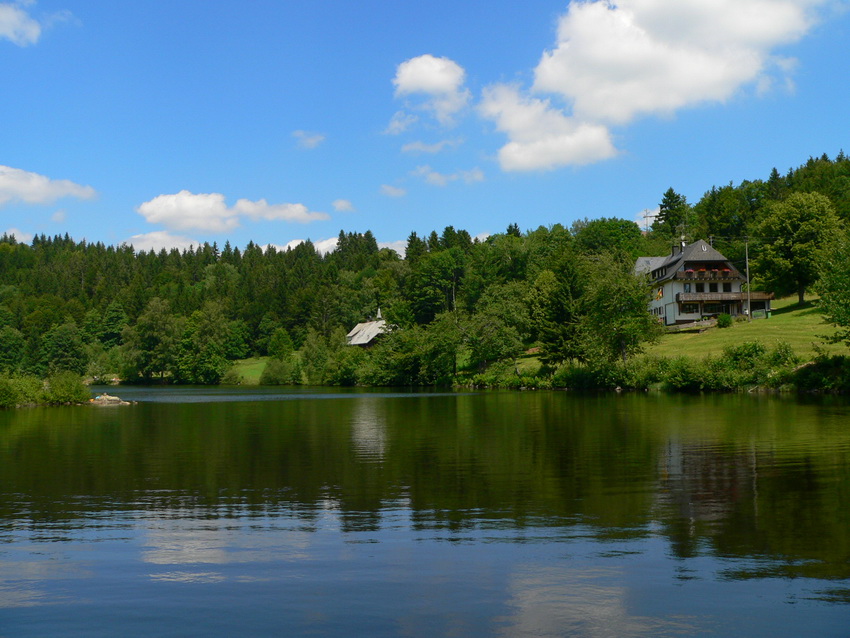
168, 123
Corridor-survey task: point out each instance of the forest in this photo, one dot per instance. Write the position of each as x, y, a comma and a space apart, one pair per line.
458, 307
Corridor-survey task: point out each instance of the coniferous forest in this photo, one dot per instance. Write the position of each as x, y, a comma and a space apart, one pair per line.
456, 305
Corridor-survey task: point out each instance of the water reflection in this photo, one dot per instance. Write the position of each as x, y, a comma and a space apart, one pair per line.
534, 513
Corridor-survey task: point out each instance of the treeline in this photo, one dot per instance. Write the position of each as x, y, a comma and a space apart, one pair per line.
457, 304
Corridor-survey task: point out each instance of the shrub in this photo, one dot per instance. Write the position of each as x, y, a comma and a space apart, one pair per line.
232, 377
281, 372
8, 393
783, 355
66, 387
724, 321
825, 374
744, 355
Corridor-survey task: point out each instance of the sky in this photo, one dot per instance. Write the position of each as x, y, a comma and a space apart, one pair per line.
167, 124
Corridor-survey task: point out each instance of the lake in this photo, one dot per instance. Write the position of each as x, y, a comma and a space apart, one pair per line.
224, 512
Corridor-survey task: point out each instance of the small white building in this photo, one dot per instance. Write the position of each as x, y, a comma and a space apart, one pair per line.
696, 281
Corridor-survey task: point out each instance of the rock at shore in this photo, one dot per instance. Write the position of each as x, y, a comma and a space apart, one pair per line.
108, 399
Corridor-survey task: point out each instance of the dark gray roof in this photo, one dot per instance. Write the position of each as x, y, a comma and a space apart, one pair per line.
699, 251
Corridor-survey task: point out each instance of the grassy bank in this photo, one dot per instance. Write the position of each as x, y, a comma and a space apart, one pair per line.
801, 327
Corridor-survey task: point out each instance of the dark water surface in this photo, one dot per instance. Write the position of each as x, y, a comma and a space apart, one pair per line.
222, 512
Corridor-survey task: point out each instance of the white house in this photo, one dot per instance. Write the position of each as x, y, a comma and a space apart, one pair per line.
696, 281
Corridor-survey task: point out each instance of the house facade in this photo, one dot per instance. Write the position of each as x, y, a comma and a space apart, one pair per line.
696, 281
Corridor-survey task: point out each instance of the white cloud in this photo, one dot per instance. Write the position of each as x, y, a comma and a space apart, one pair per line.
441, 179
541, 136
343, 206
422, 147
20, 236
307, 139
159, 239
261, 209
59, 216
439, 79
17, 26
615, 62
17, 185
392, 191
400, 122
208, 212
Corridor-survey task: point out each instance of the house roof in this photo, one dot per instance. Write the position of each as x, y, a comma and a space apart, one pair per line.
699, 251
645, 265
364, 332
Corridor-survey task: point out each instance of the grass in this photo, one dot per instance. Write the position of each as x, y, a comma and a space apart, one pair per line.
250, 369
799, 326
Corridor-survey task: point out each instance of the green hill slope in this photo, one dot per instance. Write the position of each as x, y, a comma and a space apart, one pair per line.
801, 327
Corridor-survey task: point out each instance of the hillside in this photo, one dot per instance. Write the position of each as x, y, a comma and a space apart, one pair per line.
801, 327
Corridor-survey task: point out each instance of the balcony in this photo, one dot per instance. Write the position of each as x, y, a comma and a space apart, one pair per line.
690, 297
726, 274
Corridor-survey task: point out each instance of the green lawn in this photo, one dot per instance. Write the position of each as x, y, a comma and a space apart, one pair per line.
800, 327
250, 369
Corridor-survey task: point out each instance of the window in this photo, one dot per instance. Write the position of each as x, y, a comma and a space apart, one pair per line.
687, 287
690, 308
712, 287
700, 287
727, 287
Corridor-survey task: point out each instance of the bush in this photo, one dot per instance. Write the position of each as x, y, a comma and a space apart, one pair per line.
8, 394
281, 372
231, 377
825, 374
724, 321
66, 387
20, 391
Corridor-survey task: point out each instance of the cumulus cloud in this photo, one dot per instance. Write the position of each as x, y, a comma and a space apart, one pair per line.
442, 179
422, 147
439, 80
17, 185
542, 136
17, 26
307, 139
159, 239
616, 62
342, 206
209, 212
392, 191
19, 235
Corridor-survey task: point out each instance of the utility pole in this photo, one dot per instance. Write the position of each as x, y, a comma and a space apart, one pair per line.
747, 257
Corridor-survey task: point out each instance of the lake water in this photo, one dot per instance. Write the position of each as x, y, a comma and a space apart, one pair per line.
222, 512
